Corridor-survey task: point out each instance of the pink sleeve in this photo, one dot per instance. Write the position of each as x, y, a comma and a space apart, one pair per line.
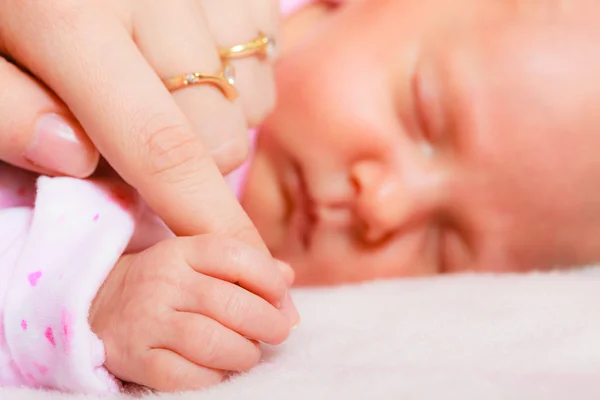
54, 256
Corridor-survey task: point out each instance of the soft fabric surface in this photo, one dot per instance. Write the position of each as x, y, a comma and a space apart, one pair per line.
463, 337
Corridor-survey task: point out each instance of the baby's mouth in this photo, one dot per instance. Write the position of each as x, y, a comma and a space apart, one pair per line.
301, 216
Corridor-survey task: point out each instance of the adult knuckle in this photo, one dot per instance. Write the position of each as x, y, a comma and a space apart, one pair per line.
49, 16
267, 12
172, 147
232, 154
242, 231
270, 4
70, 15
259, 111
270, 100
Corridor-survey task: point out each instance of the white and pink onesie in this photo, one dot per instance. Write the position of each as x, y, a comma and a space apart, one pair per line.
59, 239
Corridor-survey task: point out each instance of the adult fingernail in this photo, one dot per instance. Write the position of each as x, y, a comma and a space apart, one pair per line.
288, 308
59, 145
287, 271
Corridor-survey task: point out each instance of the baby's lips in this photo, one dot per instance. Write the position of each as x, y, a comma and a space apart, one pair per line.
288, 309
288, 272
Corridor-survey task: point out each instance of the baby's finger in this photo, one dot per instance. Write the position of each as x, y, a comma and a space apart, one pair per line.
205, 342
237, 309
239, 263
232, 24
37, 131
166, 371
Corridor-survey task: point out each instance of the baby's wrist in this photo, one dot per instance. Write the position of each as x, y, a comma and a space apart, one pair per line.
101, 306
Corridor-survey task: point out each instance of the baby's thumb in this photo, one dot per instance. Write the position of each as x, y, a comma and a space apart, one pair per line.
37, 131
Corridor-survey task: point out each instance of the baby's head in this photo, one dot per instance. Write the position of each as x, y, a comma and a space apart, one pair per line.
414, 137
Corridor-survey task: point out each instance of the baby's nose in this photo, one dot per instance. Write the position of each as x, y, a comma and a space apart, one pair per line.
388, 202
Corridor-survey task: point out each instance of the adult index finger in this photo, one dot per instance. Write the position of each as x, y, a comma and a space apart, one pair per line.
89, 59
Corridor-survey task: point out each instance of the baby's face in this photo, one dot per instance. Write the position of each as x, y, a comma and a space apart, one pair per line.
414, 137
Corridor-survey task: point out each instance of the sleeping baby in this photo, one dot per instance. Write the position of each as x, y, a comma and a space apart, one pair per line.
410, 138
421, 137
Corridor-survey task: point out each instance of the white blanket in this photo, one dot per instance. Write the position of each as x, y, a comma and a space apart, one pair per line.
462, 337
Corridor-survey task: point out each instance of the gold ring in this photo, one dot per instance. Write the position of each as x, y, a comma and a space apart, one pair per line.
263, 45
224, 80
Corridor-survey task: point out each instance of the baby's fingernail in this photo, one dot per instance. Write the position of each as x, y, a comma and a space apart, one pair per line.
287, 270
58, 147
290, 311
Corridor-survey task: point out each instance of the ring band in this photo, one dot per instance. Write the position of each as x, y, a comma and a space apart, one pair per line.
224, 80
263, 45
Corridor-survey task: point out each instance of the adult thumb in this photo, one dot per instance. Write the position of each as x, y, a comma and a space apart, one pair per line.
37, 131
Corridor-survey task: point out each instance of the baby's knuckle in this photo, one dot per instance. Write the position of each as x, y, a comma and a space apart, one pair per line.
235, 306
169, 380
171, 279
211, 343
166, 379
155, 274
155, 365
231, 251
177, 379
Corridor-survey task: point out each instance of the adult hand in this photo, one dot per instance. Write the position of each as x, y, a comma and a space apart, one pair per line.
105, 61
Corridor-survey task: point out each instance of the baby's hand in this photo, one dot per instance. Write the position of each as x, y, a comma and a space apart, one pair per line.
181, 314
